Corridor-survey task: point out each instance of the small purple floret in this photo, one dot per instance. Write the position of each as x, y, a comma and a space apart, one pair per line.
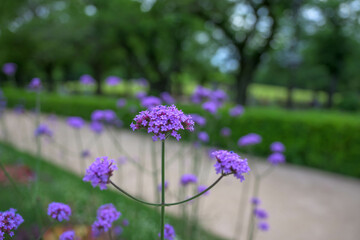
35, 84
250, 139
99, 172
225, 131
238, 110
75, 122
203, 136
59, 211
263, 226
276, 158
43, 130
277, 147
169, 232
68, 235
86, 79
106, 215
260, 213
202, 188
9, 222
9, 69
187, 179
113, 80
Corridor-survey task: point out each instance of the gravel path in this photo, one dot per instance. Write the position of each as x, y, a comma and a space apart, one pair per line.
302, 203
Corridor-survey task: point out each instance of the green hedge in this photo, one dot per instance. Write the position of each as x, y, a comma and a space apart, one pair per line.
326, 140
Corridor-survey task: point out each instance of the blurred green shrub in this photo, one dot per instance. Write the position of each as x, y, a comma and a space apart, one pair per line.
350, 102
327, 140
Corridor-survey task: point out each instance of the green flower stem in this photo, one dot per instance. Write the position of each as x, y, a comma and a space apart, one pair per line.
166, 204
154, 173
162, 219
252, 217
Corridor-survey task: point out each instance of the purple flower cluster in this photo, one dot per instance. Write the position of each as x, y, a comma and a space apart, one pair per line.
85, 154
261, 215
106, 215
169, 232
68, 235
230, 163
142, 82
140, 95
97, 127
163, 121
263, 226
212, 99
43, 130
121, 102
19, 109
150, 101
35, 84
187, 179
219, 97
200, 94
9, 69
75, 122
108, 116
203, 136
210, 107
99, 172
86, 79
255, 201
250, 139
9, 222
59, 211
277, 147
167, 98
113, 80
276, 158
198, 119
238, 110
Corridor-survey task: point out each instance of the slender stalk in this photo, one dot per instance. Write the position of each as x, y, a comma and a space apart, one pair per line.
252, 217
162, 190
110, 235
166, 204
80, 147
241, 211
154, 173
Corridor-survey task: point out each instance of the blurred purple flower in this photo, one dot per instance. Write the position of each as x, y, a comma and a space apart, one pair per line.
166, 186
202, 188
150, 101
211, 107
43, 130
35, 84
263, 226
75, 122
19, 109
68, 235
85, 154
86, 79
163, 121
276, 158
238, 110
260, 213
167, 98
140, 95
108, 116
122, 160
203, 136
200, 94
198, 119
121, 102
9, 69
225, 131
187, 179
106, 215
99, 172
230, 163
277, 147
169, 232
59, 211
113, 80
218, 97
255, 201
118, 230
125, 223
142, 82
96, 127
249, 139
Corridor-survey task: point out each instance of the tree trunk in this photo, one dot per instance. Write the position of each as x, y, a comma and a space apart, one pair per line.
98, 76
243, 79
331, 91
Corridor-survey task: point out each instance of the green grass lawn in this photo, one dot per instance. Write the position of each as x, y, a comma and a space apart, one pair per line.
58, 185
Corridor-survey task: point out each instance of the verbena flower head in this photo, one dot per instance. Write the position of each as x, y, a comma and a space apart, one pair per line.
68, 235
276, 158
75, 122
85, 153
202, 188
35, 84
166, 185
19, 109
203, 136
43, 130
167, 98
86, 79
250, 139
187, 179
225, 131
219, 97
238, 110
260, 213
59, 211
163, 121
97, 127
198, 119
9, 222
150, 101
121, 102
142, 82
125, 222
108, 116
277, 147
230, 163
100, 171
263, 226
113, 80
210, 107
9, 69
106, 215
169, 232
255, 201
140, 95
